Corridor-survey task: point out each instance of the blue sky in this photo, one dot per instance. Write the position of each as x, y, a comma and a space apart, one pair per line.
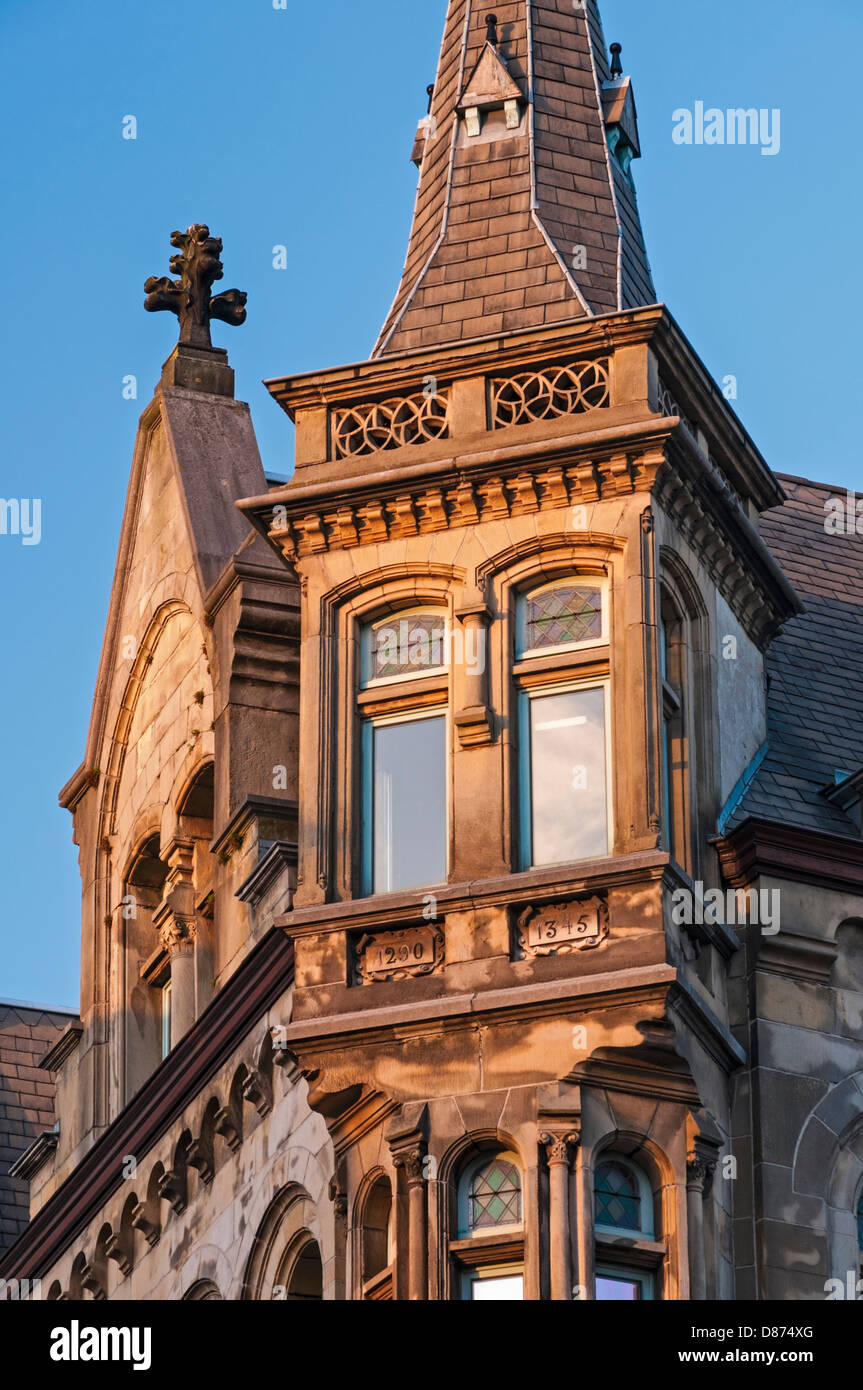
294, 127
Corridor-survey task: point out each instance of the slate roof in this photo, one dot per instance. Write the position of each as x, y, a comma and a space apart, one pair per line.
497, 221
815, 700
26, 1100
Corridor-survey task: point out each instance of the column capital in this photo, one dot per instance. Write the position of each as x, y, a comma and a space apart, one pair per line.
699, 1171
558, 1143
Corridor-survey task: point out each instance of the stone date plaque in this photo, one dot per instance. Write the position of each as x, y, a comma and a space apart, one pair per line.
397, 955
561, 928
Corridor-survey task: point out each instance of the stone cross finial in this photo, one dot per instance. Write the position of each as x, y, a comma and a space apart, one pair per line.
198, 266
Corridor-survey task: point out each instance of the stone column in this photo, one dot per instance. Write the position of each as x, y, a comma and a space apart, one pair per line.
557, 1147
411, 1161
697, 1178
584, 1200
176, 923
406, 1136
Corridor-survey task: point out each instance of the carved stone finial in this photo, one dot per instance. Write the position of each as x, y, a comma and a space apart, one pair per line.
198, 265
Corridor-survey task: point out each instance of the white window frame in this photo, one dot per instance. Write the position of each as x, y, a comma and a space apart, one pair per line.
367, 824
525, 799
594, 581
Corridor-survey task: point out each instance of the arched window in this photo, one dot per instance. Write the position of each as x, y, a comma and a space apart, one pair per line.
492, 1195
567, 614
403, 646
404, 689
562, 679
623, 1206
490, 1267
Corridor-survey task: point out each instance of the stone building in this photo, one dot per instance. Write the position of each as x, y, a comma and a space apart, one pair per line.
470, 829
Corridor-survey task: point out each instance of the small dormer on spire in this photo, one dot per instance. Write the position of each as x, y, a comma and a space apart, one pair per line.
490, 87
621, 117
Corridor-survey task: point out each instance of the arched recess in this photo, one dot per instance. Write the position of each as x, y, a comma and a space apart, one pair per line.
204, 1291
141, 1041
286, 1254
373, 1225
828, 1164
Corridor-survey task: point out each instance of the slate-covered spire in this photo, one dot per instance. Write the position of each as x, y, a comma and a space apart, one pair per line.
526, 212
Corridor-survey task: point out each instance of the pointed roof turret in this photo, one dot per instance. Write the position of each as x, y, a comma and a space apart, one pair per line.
526, 212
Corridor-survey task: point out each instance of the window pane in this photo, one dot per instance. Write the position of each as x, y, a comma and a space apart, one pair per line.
409, 810
618, 1201
507, 1287
408, 644
610, 1290
563, 616
569, 809
495, 1196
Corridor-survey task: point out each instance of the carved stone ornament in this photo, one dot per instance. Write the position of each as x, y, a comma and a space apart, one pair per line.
398, 955
175, 934
557, 1145
412, 1161
198, 266
561, 928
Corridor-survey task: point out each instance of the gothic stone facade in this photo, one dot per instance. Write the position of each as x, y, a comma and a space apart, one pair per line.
433, 1031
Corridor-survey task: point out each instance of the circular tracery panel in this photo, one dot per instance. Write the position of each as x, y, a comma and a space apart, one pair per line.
549, 394
390, 424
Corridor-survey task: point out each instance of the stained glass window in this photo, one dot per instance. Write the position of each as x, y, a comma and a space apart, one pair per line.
618, 1199
405, 644
564, 615
494, 1195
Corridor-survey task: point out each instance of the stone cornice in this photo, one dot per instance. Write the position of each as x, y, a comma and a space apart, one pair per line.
36, 1156
405, 909
256, 985
63, 1047
602, 333
253, 808
774, 850
695, 497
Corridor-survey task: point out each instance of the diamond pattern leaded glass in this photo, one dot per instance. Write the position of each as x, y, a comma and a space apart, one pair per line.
563, 616
407, 646
618, 1202
495, 1196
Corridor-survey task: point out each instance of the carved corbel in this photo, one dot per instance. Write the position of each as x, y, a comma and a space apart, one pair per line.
116, 1250
200, 1157
258, 1092
142, 1221
172, 1189
92, 1283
